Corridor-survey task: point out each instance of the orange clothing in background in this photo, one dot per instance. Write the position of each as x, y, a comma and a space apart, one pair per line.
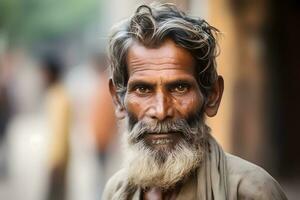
103, 121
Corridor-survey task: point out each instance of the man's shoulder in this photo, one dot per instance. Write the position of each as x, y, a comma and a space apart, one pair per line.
251, 181
114, 184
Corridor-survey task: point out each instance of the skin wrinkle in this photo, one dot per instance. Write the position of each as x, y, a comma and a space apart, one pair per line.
146, 68
162, 60
157, 61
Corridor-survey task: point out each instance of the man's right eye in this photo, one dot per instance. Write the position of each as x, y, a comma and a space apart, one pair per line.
142, 89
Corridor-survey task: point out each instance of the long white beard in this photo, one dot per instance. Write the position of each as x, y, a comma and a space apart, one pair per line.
145, 170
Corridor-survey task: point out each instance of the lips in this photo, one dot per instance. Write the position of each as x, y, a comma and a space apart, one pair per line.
162, 141
169, 139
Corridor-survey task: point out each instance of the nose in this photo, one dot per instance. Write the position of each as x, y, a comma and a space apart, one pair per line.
162, 107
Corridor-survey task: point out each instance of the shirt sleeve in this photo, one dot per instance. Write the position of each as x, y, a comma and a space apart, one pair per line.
259, 185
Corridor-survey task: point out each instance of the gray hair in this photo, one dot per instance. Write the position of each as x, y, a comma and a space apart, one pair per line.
150, 26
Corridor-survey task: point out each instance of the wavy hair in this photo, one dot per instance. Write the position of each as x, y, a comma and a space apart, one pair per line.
150, 26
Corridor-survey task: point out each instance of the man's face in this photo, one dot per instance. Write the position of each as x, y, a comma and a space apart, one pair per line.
164, 108
162, 87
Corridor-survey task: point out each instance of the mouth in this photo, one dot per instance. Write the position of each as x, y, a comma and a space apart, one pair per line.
162, 139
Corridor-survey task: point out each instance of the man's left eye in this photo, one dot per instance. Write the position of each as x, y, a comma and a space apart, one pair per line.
181, 88
142, 90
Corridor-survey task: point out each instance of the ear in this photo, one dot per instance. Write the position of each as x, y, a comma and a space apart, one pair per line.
120, 110
214, 98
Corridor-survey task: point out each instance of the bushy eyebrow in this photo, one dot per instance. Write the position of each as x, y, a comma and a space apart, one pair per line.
133, 84
175, 83
168, 85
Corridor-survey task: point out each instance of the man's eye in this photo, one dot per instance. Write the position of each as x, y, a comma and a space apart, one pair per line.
181, 88
142, 90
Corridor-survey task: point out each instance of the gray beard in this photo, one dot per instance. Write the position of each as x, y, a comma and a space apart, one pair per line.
147, 167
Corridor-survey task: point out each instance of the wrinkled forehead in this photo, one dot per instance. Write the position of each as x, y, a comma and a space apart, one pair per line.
167, 56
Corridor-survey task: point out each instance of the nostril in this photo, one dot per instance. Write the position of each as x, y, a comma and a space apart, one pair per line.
152, 117
162, 114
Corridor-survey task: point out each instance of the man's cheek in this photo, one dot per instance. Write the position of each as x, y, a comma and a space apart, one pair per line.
188, 105
136, 108
132, 120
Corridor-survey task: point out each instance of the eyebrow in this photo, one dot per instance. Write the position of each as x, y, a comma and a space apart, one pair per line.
178, 82
168, 84
133, 84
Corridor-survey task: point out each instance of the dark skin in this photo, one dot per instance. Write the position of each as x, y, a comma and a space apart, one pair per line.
161, 86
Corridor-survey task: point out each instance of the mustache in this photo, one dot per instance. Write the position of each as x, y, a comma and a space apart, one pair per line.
182, 126
192, 120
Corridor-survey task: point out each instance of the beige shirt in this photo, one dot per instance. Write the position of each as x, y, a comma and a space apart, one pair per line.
221, 176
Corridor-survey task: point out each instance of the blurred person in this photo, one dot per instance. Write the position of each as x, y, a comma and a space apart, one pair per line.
103, 120
5, 111
26, 133
6, 108
5, 116
164, 83
59, 116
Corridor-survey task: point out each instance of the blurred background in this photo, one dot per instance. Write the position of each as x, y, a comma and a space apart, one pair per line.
58, 134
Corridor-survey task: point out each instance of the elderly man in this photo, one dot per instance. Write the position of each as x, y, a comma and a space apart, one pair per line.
164, 82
